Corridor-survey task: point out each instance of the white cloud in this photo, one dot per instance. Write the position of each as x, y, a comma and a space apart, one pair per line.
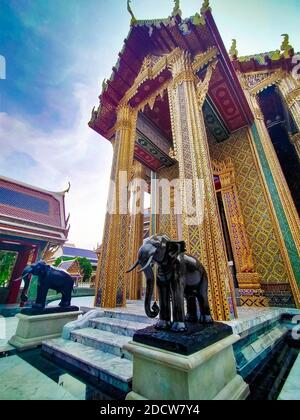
78, 155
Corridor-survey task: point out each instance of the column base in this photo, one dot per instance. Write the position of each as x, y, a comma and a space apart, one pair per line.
33, 330
253, 298
209, 374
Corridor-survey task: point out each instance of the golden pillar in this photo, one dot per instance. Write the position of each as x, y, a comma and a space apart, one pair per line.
295, 139
111, 272
202, 232
167, 188
290, 90
246, 275
136, 230
285, 216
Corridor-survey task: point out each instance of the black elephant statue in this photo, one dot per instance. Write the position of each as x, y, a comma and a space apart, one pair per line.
48, 278
179, 276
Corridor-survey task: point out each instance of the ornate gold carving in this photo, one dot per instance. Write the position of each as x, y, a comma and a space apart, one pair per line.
202, 59
271, 80
285, 198
259, 225
293, 96
290, 90
203, 238
295, 139
124, 118
136, 228
110, 277
202, 86
239, 238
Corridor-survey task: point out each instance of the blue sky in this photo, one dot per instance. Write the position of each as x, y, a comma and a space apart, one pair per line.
58, 52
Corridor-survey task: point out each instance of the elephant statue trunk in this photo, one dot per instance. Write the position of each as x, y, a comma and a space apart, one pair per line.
150, 312
25, 275
154, 311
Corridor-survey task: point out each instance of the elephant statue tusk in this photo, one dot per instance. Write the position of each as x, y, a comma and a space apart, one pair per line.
148, 264
133, 267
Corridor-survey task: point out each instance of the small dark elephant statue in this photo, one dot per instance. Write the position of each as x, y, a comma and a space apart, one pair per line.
48, 278
179, 276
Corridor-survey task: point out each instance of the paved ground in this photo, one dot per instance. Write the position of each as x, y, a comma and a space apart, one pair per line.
8, 328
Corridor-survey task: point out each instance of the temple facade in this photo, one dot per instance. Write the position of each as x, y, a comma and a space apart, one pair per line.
33, 226
179, 107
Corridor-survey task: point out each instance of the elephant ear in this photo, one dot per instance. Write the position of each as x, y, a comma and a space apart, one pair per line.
174, 248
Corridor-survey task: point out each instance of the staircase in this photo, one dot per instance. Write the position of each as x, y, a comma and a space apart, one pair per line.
96, 348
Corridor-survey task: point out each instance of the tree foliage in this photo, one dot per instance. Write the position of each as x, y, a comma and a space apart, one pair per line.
85, 267
7, 262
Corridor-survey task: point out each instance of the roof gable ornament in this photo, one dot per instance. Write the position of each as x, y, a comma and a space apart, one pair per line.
285, 46
233, 52
176, 11
133, 18
205, 7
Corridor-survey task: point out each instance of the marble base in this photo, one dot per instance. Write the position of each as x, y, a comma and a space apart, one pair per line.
34, 329
209, 374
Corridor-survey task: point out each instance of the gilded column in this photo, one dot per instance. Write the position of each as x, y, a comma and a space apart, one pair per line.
285, 215
203, 234
167, 217
111, 272
295, 139
290, 90
134, 280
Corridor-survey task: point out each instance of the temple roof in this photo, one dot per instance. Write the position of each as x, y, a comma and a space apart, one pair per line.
159, 37
32, 212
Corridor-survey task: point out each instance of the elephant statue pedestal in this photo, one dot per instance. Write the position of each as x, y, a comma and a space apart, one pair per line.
33, 329
185, 373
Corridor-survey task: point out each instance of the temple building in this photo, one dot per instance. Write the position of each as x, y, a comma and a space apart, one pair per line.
179, 106
32, 226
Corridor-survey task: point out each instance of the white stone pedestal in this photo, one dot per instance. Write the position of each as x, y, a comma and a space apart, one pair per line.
33, 330
209, 374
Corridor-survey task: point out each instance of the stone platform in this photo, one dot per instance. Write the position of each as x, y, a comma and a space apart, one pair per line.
95, 343
32, 330
208, 374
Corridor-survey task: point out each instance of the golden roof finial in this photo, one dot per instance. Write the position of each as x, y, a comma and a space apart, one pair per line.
285, 46
133, 19
205, 7
233, 52
176, 10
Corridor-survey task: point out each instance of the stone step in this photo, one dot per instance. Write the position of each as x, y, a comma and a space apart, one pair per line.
131, 316
117, 326
102, 340
103, 366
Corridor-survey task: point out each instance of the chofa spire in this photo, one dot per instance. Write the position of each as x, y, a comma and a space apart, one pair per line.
285, 46
233, 52
205, 6
176, 11
133, 18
